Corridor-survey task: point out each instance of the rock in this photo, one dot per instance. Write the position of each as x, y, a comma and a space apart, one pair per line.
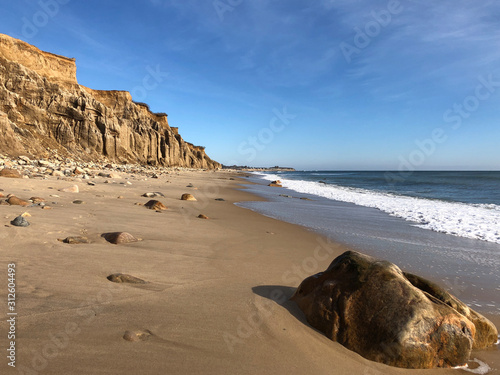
124, 278
220, 199
374, 309
91, 183
10, 173
57, 174
137, 335
20, 221
70, 189
285, 196
153, 194
41, 89
37, 200
276, 183
201, 216
190, 185
15, 201
119, 237
78, 201
155, 205
187, 197
75, 240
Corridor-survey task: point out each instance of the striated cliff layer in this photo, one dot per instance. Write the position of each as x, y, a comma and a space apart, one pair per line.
42, 107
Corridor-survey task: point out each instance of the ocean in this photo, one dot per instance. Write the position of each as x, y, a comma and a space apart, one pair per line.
441, 225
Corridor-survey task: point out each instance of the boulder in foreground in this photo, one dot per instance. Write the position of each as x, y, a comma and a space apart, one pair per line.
385, 315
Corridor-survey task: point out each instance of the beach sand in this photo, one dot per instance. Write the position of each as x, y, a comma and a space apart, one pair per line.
216, 295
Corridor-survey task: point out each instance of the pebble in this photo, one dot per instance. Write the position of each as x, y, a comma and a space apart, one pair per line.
75, 240
119, 237
124, 278
70, 189
20, 222
201, 216
187, 197
15, 201
37, 200
78, 201
153, 194
155, 205
220, 199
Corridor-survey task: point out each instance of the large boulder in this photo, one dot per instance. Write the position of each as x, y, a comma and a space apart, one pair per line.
385, 315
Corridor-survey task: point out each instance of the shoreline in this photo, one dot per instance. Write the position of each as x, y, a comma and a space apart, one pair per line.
216, 298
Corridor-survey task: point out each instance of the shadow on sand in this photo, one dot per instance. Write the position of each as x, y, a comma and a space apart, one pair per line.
281, 295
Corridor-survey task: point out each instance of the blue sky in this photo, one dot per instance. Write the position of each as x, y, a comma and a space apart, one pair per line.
326, 84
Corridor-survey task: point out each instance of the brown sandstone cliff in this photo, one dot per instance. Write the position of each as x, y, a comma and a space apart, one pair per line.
43, 107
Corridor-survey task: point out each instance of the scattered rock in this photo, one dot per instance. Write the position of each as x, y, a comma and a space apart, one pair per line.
15, 201
26, 214
75, 240
124, 278
78, 201
20, 222
37, 200
153, 194
134, 336
155, 205
91, 183
220, 199
120, 197
276, 183
10, 173
70, 189
119, 237
190, 185
201, 216
388, 316
286, 196
187, 197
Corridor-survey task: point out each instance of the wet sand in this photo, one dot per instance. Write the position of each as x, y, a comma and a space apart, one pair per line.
216, 295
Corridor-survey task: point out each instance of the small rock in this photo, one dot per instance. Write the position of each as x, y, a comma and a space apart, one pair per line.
120, 197
220, 199
78, 201
276, 183
15, 201
75, 240
10, 173
20, 222
37, 200
57, 174
91, 183
137, 335
70, 189
124, 278
190, 185
201, 216
187, 197
153, 194
26, 214
155, 205
119, 237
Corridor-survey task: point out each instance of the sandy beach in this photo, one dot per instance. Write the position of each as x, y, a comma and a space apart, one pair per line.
215, 297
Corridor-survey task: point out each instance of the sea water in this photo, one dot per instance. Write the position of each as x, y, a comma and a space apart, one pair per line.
441, 225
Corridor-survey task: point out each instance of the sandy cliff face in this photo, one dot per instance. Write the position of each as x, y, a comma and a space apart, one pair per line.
43, 107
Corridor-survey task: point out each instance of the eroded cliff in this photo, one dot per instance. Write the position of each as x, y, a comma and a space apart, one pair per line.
42, 107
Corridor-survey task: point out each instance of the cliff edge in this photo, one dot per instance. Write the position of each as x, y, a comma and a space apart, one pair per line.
43, 108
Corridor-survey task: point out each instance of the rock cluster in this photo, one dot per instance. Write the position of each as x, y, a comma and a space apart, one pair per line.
43, 108
389, 316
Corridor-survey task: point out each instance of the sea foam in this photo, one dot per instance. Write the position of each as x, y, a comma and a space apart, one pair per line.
478, 221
